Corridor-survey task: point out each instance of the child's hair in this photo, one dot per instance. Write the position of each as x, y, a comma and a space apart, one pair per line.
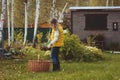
54, 21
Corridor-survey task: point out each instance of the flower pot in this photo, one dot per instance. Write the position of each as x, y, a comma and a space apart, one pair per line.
38, 65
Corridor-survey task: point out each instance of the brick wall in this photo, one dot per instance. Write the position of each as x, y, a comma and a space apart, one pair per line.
78, 24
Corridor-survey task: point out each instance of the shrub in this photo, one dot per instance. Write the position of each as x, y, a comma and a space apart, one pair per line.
18, 36
96, 40
92, 54
99, 37
71, 46
39, 37
90, 40
30, 51
74, 50
18, 40
15, 51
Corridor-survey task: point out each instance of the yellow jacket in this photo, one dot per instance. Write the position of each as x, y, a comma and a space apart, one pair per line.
60, 41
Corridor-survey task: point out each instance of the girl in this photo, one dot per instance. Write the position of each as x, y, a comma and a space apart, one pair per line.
56, 41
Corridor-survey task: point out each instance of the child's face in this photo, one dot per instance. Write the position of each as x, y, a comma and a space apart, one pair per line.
52, 25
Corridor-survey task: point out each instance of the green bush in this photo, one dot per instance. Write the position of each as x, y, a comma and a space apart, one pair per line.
71, 46
74, 50
15, 52
30, 51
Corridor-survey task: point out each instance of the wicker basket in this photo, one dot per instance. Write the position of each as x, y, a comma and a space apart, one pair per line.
38, 65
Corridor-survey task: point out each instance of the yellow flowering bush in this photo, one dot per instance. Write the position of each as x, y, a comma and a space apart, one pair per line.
94, 50
39, 37
92, 54
18, 36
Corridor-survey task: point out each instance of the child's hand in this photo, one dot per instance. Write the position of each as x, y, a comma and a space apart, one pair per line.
49, 45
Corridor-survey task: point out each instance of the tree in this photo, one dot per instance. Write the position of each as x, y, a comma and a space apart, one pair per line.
107, 2
46, 6
61, 15
77, 2
36, 20
116, 2
26, 21
8, 21
53, 9
3, 13
19, 13
12, 21
93, 2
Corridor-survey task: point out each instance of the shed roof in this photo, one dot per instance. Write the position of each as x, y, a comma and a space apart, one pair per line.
111, 8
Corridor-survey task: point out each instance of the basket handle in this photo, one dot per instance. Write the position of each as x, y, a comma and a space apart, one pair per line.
38, 57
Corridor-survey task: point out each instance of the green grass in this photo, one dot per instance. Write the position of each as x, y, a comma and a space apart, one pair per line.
108, 69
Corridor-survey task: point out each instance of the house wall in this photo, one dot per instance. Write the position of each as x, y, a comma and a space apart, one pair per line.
78, 25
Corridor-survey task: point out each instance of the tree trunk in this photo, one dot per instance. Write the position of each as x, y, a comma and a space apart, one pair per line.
8, 21
112, 2
26, 23
2, 22
61, 15
53, 9
12, 22
77, 2
36, 20
3, 13
107, 2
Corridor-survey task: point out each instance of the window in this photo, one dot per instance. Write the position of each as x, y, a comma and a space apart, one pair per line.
96, 21
115, 26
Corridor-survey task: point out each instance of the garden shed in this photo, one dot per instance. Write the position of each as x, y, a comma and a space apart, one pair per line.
87, 21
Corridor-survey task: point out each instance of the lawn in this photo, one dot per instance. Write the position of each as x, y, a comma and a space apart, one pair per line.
108, 69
